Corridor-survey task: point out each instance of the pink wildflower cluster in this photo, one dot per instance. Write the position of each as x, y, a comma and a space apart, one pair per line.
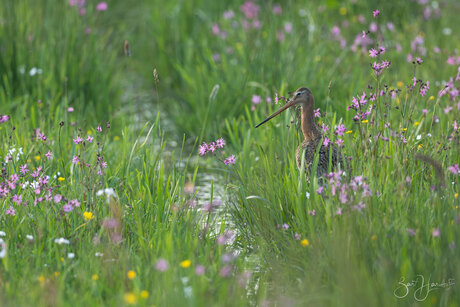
359, 103
454, 169
376, 52
379, 67
213, 147
4, 118
352, 193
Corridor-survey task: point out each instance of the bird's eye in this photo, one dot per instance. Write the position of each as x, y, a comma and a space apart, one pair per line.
299, 93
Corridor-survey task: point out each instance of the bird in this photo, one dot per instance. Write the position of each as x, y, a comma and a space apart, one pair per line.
311, 133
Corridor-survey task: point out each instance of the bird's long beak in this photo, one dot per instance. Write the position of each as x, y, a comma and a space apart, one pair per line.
283, 108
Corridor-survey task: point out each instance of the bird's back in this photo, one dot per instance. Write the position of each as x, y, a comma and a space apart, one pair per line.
310, 147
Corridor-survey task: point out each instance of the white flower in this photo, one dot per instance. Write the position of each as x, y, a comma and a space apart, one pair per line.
25, 184
30, 237
98, 254
61, 241
418, 137
70, 255
35, 184
3, 252
35, 71
429, 134
108, 191
2, 233
308, 195
447, 31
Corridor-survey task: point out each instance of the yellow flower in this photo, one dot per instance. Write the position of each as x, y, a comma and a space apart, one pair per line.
56, 274
420, 146
365, 121
61, 178
131, 274
416, 123
89, 132
41, 279
185, 263
116, 138
95, 277
400, 84
431, 97
343, 11
62, 259
144, 294
403, 129
130, 298
304, 242
349, 131
374, 237
239, 46
456, 196
88, 215
37, 158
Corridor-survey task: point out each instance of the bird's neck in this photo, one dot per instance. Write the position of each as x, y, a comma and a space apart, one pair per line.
309, 128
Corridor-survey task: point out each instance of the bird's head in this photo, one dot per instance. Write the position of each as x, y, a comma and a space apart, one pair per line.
302, 96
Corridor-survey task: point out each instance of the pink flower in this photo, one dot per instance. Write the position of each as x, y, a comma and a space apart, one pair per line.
320, 190
436, 232
23, 169
89, 139
75, 159
339, 142
99, 129
288, 27
220, 143
454, 169
376, 13
229, 14
17, 199
74, 203
225, 271
411, 232
277, 9
256, 99
317, 113
312, 213
447, 109
57, 198
335, 31
162, 265
215, 29
102, 6
250, 10
230, 160
199, 270
67, 208
10, 211
70, 109
373, 53
78, 140
339, 211
78, 3
203, 149
49, 155
326, 142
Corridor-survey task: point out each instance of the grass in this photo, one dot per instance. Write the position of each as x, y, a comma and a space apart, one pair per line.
163, 225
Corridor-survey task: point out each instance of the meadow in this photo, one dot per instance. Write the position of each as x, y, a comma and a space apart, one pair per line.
132, 172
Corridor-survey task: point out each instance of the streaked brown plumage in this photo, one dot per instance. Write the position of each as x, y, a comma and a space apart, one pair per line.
312, 135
